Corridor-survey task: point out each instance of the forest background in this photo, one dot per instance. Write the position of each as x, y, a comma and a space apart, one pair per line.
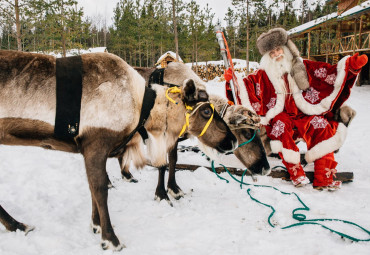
143, 30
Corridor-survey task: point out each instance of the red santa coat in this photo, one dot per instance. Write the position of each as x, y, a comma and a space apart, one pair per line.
301, 114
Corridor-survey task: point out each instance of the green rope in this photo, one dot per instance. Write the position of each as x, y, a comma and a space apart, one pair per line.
250, 140
297, 216
240, 145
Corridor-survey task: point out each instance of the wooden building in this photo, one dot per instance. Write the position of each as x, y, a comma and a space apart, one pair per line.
167, 57
336, 35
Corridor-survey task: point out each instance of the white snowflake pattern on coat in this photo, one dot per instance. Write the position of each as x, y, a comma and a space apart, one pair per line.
278, 128
312, 95
256, 106
321, 72
319, 122
272, 103
330, 79
258, 89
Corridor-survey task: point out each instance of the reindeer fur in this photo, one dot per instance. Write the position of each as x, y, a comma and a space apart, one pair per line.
112, 94
252, 155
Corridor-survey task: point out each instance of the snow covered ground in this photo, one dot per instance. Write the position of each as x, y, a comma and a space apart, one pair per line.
48, 189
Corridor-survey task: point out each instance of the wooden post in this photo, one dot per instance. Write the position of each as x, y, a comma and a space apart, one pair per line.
319, 43
354, 37
360, 34
309, 45
354, 49
327, 46
304, 44
338, 35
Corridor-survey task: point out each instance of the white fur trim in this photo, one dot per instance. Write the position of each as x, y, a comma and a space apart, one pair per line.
244, 98
279, 107
327, 146
290, 156
326, 103
276, 78
276, 146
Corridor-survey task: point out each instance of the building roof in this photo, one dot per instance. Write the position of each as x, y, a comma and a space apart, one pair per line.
168, 53
365, 6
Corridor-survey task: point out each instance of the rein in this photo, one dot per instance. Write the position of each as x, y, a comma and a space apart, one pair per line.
190, 111
300, 217
250, 140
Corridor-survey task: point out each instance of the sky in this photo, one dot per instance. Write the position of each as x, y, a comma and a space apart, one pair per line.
105, 8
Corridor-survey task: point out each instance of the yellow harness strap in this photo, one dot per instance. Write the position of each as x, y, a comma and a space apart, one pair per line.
189, 112
187, 116
172, 90
209, 121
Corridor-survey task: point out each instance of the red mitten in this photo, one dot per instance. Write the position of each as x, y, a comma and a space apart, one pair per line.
356, 61
230, 102
228, 75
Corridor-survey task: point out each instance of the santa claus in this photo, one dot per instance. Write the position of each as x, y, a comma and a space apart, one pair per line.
297, 99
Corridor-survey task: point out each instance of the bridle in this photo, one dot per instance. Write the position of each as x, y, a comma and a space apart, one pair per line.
190, 111
240, 126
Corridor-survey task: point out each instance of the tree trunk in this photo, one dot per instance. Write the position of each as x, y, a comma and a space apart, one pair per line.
196, 53
247, 55
18, 25
175, 29
63, 32
139, 50
234, 44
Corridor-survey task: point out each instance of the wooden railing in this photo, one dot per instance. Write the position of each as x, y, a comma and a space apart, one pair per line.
346, 44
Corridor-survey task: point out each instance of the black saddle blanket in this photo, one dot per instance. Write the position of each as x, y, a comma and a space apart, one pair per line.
68, 97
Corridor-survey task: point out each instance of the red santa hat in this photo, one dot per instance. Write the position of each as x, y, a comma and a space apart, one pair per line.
279, 37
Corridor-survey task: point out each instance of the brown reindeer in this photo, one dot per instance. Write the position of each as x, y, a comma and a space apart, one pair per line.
112, 98
241, 120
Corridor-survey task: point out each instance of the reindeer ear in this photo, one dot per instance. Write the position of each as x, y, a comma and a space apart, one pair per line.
189, 90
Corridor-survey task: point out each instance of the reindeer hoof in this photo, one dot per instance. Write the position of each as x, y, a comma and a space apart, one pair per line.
157, 198
176, 195
95, 228
132, 180
25, 228
108, 245
128, 177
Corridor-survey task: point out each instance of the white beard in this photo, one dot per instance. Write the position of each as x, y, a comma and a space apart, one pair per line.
276, 69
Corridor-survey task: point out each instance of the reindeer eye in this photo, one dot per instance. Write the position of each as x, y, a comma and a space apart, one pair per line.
207, 113
247, 134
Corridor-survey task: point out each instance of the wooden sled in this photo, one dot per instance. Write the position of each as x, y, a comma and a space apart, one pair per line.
282, 174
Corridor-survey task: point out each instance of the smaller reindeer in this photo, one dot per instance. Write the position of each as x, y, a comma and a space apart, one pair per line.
242, 122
